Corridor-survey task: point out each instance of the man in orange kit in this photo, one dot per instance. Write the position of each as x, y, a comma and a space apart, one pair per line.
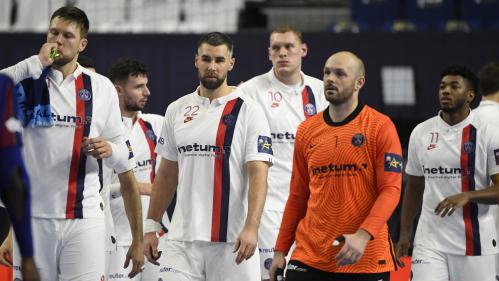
345, 184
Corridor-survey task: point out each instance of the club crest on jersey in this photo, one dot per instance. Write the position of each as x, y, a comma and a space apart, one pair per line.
229, 120
469, 147
358, 139
130, 150
84, 95
150, 135
393, 163
310, 109
496, 154
267, 263
265, 145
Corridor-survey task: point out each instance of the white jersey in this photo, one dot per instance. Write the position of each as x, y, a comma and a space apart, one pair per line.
488, 111
211, 143
285, 108
455, 159
143, 136
65, 182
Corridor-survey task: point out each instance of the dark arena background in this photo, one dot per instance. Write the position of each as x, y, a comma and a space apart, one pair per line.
404, 44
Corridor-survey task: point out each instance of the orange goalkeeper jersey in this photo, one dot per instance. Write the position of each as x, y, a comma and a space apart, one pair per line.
346, 176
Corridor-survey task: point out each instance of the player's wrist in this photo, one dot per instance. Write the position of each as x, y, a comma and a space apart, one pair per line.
151, 225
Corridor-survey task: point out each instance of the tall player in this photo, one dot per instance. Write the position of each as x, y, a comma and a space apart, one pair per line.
14, 183
452, 158
345, 184
130, 79
216, 148
287, 97
64, 158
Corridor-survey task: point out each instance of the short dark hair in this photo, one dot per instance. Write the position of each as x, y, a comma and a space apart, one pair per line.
86, 61
73, 14
288, 28
464, 72
124, 68
489, 78
217, 39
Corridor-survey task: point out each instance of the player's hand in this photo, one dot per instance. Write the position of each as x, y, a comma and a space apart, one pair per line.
6, 250
246, 244
29, 271
402, 249
97, 147
449, 204
151, 247
136, 255
279, 261
354, 247
44, 54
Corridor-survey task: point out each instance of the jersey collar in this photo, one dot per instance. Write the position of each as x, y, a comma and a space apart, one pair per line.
349, 118
444, 125
285, 88
56, 75
216, 102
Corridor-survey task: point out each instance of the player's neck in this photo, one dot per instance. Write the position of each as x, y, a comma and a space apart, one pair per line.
339, 112
290, 80
130, 114
219, 92
456, 117
492, 97
67, 69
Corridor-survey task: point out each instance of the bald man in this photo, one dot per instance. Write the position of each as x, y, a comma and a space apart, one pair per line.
345, 184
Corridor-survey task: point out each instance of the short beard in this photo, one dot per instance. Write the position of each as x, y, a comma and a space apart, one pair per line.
132, 107
212, 85
341, 99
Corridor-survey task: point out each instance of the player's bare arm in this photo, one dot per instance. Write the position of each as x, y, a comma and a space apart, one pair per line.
488, 196
133, 208
246, 242
413, 197
163, 190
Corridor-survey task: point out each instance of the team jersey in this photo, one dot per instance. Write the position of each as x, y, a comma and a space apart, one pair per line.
143, 137
285, 108
212, 142
455, 159
346, 175
488, 112
65, 181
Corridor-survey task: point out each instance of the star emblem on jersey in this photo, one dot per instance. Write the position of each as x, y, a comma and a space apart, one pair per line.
130, 150
265, 145
393, 163
84, 95
358, 139
229, 120
469, 147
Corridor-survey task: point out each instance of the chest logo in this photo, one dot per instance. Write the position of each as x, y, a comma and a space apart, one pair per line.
469, 147
358, 139
229, 120
84, 95
150, 135
310, 109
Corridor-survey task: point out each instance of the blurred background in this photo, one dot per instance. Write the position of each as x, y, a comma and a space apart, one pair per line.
404, 44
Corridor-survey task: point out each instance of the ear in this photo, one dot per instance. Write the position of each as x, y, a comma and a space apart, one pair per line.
83, 44
471, 96
231, 63
304, 49
270, 57
196, 60
359, 83
119, 90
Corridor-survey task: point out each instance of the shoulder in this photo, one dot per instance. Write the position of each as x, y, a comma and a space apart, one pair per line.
179, 103
313, 82
254, 84
154, 119
424, 127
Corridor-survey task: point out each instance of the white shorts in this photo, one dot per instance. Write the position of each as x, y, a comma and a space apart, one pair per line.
200, 261
67, 249
429, 264
267, 236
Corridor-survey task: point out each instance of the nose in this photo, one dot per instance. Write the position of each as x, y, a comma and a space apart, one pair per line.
212, 65
282, 52
147, 92
58, 38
